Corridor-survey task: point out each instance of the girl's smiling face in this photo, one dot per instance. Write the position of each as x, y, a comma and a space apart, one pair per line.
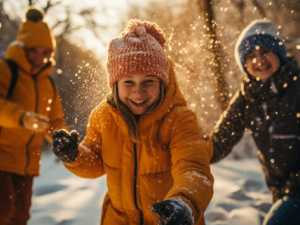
262, 63
139, 92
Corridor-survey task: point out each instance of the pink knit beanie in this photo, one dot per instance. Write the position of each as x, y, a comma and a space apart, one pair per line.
139, 51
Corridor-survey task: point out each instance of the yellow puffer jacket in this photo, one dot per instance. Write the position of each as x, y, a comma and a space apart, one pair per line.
20, 149
171, 161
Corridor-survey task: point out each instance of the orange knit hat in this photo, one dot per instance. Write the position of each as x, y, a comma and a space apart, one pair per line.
139, 51
34, 31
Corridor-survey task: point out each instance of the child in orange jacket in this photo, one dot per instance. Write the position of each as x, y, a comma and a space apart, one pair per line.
29, 111
144, 138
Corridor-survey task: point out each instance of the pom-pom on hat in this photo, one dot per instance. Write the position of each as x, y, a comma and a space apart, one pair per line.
139, 51
261, 33
34, 31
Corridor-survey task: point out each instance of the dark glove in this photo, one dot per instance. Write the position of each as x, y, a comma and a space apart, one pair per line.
65, 145
173, 212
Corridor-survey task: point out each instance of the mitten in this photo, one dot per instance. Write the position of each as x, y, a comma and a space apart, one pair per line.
173, 212
65, 145
35, 122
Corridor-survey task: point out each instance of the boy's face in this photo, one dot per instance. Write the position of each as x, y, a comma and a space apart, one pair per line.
138, 92
262, 63
38, 56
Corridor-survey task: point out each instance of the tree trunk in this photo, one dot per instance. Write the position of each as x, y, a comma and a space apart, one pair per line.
206, 12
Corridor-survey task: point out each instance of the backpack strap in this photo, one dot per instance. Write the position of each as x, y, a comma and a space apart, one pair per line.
14, 76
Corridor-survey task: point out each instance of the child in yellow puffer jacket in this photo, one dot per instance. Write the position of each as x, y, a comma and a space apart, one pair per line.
144, 138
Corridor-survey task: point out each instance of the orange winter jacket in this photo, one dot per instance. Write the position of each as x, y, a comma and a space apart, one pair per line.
170, 161
20, 149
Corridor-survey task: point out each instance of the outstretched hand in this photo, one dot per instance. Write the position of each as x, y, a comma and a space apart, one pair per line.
173, 212
35, 122
65, 145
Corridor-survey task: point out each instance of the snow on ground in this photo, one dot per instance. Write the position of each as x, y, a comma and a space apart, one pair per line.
61, 198
240, 194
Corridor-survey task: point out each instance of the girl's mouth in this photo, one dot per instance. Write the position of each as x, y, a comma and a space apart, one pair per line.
263, 68
137, 102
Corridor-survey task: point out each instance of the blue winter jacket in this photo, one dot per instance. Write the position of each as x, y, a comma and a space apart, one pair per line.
270, 110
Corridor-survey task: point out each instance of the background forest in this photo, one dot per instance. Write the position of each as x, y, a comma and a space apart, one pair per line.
201, 37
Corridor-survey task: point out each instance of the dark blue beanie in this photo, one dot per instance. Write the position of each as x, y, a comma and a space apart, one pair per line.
261, 33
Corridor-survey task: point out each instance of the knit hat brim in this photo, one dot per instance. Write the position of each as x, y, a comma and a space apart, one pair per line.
35, 32
263, 42
130, 64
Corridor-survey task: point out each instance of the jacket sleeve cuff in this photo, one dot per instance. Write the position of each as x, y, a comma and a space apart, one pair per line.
21, 119
17, 118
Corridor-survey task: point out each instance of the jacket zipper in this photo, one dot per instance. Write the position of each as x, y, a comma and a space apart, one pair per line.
27, 153
32, 135
134, 185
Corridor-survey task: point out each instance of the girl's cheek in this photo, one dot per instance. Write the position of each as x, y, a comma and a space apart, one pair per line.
155, 93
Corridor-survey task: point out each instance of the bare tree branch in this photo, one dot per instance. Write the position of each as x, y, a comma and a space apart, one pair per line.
260, 8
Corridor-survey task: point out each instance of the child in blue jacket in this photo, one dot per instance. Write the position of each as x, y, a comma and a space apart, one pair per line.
268, 105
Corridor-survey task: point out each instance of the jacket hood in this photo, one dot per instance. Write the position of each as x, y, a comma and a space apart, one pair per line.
173, 96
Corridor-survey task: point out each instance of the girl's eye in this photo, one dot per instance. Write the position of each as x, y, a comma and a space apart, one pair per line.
149, 81
128, 82
266, 51
32, 51
46, 53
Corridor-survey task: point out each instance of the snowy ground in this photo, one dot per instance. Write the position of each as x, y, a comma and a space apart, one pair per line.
240, 194
60, 198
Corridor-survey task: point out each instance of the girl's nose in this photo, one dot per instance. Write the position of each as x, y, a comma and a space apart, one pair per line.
259, 58
138, 89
